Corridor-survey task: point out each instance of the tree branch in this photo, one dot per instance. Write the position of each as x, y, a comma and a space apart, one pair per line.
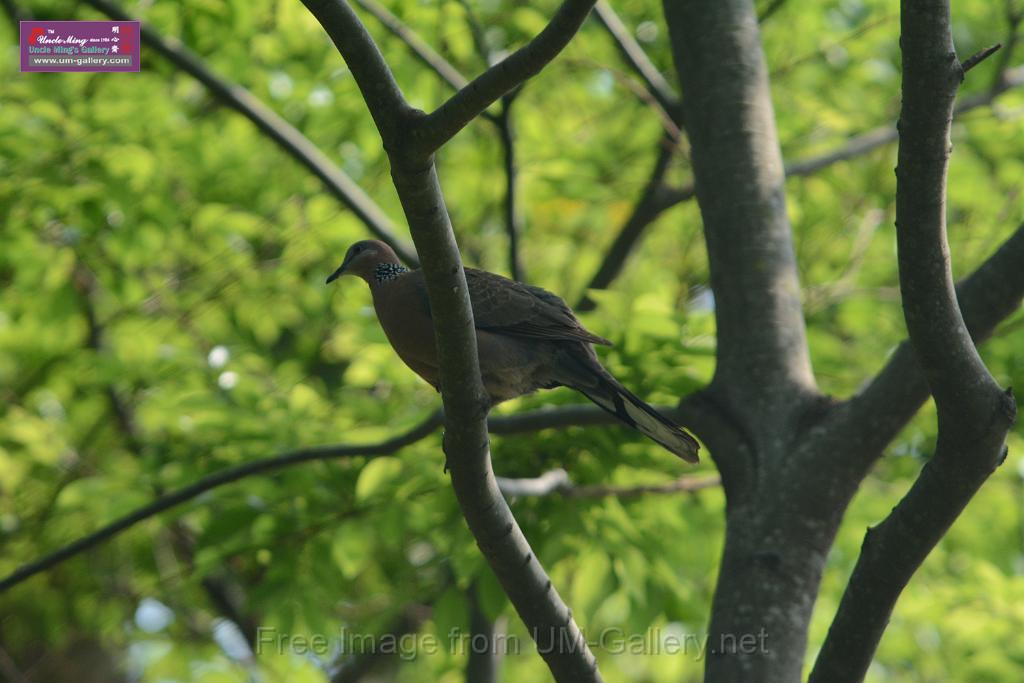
974, 414
549, 482
390, 112
763, 360
410, 140
337, 182
883, 135
558, 417
1013, 20
489, 518
530, 421
859, 145
212, 481
650, 205
696, 411
502, 121
513, 217
507, 136
419, 47
452, 116
557, 481
476, 30
634, 55
686, 484
701, 411
483, 663
857, 430
979, 57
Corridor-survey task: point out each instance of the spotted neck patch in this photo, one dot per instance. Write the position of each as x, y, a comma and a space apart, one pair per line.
388, 271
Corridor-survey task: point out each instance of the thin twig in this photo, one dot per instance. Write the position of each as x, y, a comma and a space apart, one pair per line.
1013, 19
859, 145
822, 49
544, 484
212, 481
505, 124
530, 421
650, 205
686, 484
448, 119
502, 121
419, 47
635, 56
513, 217
980, 56
337, 182
671, 121
477, 31
556, 417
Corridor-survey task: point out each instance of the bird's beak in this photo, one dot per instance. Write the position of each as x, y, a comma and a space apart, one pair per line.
341, 269
336, 274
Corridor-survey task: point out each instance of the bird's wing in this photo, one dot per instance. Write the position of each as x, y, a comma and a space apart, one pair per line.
510, 307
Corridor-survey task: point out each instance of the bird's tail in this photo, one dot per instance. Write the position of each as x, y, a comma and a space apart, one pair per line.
600, 387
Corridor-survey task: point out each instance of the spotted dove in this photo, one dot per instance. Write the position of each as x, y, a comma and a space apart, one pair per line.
527, 339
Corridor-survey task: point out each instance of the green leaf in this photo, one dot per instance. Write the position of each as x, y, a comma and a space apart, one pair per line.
352, 548
376, 475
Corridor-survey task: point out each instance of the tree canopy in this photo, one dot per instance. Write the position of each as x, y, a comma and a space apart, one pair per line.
163, 317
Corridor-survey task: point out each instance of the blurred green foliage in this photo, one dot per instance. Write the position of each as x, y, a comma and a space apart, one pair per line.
163, 315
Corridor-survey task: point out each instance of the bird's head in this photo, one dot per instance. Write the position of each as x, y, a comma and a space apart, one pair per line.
363, 258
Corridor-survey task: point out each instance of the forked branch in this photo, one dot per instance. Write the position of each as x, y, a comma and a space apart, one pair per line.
417, 45
974, 413
410, 139
465, 105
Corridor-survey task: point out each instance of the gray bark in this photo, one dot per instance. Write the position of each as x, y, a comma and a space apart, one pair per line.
797, 457
974, 413
774, 552
410, 138
791, 459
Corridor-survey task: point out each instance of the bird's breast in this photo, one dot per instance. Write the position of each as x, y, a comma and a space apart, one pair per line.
409, 329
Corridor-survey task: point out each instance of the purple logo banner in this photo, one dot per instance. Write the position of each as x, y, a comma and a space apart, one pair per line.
77, 46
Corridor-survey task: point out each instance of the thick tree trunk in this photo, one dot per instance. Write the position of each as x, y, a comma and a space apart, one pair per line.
768, 581
762, 604
775, 547
795, 458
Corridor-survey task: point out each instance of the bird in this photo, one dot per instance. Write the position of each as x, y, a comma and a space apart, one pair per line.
527, 339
